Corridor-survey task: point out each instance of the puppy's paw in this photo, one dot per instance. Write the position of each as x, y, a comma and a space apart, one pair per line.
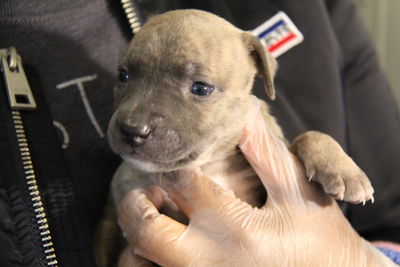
348, 184
326, 163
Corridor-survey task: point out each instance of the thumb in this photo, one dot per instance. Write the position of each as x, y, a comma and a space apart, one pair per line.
271, 160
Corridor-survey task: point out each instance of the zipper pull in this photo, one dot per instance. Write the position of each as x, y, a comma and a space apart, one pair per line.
18, 90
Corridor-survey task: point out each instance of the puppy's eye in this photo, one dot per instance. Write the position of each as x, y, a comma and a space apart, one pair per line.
123, 75
201, 89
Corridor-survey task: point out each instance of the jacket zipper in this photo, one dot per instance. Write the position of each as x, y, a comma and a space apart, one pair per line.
132, 15
21, 98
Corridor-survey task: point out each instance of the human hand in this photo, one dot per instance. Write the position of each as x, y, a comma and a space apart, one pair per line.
298, 225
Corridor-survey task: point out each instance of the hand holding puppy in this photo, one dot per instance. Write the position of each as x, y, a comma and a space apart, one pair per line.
298, 226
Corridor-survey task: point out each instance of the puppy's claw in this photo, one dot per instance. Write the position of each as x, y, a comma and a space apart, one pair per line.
372, 199
364, 202
311, 175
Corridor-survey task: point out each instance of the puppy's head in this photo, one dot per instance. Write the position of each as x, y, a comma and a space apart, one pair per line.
184, 91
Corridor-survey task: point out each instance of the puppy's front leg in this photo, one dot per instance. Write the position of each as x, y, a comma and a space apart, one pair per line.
327, 163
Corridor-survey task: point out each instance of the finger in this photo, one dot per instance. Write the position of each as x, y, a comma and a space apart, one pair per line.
194, 192
128, 259
151, 234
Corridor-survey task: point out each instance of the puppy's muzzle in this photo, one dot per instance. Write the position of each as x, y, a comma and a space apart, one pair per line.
134, 134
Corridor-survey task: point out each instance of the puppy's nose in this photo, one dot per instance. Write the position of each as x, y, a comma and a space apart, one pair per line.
134, 134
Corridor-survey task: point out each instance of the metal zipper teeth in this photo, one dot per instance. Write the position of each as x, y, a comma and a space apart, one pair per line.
131, 15
40, 215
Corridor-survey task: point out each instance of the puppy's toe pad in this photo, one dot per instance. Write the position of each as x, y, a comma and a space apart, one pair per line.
354, 188
335, 187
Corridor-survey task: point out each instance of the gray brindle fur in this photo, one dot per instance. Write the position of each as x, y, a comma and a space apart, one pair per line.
160, 126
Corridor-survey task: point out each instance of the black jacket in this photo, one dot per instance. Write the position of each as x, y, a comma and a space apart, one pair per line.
331, 82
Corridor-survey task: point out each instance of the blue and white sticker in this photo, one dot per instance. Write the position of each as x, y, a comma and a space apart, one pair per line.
278, 34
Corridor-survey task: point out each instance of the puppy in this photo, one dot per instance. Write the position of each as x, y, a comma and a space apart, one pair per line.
183, 100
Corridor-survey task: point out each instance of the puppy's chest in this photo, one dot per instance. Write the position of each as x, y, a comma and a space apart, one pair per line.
235, 173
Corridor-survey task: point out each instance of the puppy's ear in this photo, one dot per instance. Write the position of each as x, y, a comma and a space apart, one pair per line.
265, 63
